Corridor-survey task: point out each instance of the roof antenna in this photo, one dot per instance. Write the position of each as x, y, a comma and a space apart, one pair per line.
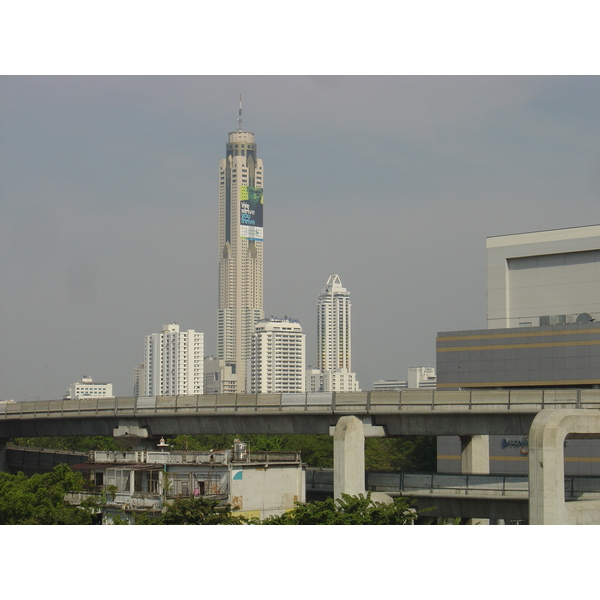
240, 117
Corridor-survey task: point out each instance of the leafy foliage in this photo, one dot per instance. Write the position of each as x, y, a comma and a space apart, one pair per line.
39, 499
348, 510
194, 511
70, 443
408, 453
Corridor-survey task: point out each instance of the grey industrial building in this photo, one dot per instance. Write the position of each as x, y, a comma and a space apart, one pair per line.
543, 318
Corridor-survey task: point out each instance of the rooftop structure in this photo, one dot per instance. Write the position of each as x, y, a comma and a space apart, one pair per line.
544, 278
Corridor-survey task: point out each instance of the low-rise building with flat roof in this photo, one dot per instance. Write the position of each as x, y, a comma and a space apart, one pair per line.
255, 484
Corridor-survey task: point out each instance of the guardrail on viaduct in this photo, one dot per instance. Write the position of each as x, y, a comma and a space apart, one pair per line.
337, 402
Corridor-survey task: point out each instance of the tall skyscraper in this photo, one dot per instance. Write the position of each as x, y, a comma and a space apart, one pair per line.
334, 348
240, 251
174, 362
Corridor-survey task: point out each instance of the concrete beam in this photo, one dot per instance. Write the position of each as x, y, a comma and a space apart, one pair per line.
400, 422
547, 505
130, 431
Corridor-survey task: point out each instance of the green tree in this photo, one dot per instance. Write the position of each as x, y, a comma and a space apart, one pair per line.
39, 499
194, 511
348, 510
406, 453
70, 443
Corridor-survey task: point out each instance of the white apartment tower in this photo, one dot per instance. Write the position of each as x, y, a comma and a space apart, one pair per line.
334, 348
278, 357
240, 251
174, 362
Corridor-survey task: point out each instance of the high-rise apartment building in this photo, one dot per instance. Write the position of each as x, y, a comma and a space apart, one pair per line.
334, 347
240, 251
139, 380
219, 376
174, 362
278, 357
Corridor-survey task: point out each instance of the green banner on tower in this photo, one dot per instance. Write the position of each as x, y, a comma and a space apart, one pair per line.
251, 213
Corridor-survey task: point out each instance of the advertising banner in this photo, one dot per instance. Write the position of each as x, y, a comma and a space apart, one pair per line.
251, 213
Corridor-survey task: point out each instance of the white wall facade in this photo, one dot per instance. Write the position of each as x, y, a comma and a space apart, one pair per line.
421, 377
339, 380
278, 357
263, 492
174, 362
86, 388
544, 277
219, 376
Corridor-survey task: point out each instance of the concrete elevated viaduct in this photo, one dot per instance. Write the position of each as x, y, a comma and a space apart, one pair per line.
349, 417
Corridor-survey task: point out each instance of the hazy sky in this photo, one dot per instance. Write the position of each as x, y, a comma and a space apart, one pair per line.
109, 207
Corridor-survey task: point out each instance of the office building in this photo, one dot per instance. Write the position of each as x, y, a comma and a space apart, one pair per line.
240, 251
543, 303
174, 362
87, 388
542, 332
421, 378
418, 378
278, 357
334, 346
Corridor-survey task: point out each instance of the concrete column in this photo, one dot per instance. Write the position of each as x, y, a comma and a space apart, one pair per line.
547, 505
475, 454
475, 460
348, 457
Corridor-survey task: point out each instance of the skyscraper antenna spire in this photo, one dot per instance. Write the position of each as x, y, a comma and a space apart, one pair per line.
240, 116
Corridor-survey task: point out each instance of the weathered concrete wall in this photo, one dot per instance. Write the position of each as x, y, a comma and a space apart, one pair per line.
262, 491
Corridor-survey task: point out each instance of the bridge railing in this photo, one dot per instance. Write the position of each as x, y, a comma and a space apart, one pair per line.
577, 487
337, 402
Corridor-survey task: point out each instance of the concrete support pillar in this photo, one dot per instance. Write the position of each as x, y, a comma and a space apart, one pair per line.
475, 460
348, 457
547, 505
475, 454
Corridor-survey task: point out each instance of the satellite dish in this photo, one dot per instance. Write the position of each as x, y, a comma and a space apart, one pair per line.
584, 318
